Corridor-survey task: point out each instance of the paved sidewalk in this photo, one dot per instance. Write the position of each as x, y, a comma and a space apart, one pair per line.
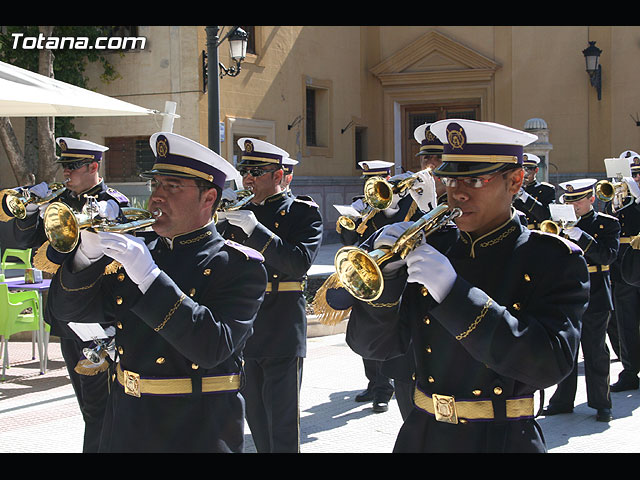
39, 413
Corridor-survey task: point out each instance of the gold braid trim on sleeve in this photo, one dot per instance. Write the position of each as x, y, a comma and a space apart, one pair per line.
476, 322
86, 287
170, 313
384, 305
268, 242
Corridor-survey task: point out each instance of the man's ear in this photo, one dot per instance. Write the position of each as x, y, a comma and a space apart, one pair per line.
514, 180
210, 196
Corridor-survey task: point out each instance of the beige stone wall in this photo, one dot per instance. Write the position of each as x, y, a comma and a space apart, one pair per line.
517, 72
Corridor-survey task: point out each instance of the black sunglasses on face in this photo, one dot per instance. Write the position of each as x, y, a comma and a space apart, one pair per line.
74, 165
254, 172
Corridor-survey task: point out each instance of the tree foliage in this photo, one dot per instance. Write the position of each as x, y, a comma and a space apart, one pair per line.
69, 65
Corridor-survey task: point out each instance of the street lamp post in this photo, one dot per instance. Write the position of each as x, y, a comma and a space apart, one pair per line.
594, 69
238, 48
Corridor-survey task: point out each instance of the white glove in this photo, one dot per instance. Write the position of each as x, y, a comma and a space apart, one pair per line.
633, 187
245, 219
393, 208
423, 191
134, 256
108, 209
522, 195
89, 250
573, 233
386, 238
229, 194
40, 190
358, 205
400, 176
427, 266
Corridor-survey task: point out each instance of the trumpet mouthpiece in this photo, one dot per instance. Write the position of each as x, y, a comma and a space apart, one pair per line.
157, 212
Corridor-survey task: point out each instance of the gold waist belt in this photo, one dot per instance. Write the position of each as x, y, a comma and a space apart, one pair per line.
447, 409
598, 268
625, 239
136, 386
286, 287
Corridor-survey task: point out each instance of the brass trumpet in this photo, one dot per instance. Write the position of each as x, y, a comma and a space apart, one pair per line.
17, 199
243, 196
62, 225
407, 183
378, 195
614, 191
549, 226
360, 271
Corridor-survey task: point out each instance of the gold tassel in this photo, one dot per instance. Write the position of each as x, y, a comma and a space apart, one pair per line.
41, 262
326, 314
87, 367
4, 217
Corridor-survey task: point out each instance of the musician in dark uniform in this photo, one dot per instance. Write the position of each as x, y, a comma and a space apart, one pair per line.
80, 161
626, 297
287, 230
491, 321
534, 197
430, 155
183, 301
597, 234
380, 387
402, 368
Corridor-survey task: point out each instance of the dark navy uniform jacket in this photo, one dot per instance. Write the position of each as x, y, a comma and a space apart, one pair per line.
509, 326
192, 322
630, 266
599, 242
629, 218
29, 233
288, 235
536, 208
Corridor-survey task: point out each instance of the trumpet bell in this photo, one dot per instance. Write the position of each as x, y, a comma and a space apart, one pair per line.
346, 222
359, 272
378, 193
549, 226
15, 203
605, 190
62, 226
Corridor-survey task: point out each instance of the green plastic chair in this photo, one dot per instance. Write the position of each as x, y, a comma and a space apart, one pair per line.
15, 319
21, 259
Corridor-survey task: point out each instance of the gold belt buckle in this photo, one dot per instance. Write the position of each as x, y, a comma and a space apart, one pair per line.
444, 407
131, 383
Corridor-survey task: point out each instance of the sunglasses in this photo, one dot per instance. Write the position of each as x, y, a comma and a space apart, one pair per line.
255, 171
75, 165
